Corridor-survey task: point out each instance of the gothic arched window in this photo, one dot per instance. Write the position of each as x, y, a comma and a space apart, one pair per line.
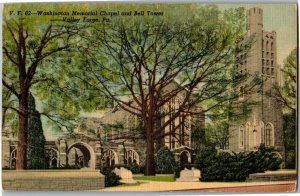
131, 157
109, 158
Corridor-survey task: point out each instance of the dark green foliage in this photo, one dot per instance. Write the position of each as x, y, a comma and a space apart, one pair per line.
223, 166
289, 127
198, 137
67, 167
111, 179
178, 168
165, 161
136, 169
35, 139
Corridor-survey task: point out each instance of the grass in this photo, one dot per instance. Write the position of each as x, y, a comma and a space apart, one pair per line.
134, 184
160, 178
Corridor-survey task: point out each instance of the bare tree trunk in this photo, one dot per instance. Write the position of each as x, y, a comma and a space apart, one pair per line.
22, 135
4, 110
150, 169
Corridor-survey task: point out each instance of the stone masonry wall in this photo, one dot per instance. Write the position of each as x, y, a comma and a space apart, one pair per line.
52, 180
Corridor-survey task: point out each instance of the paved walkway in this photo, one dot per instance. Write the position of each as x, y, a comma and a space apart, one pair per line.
207, 186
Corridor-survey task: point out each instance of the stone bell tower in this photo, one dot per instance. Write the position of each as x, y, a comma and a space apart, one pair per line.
264, 124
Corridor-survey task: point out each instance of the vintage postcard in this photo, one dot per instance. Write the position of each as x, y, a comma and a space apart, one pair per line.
149, 97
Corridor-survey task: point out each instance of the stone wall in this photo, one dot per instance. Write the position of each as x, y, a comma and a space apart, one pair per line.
52, 180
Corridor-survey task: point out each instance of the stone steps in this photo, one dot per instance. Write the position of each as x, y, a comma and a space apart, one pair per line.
273, 176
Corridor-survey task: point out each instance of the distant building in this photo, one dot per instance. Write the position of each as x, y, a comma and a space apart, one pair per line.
264, 125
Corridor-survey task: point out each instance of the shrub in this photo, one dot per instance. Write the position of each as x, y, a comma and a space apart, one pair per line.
136, 169
111, 179
164, 161
67, 167
223, 166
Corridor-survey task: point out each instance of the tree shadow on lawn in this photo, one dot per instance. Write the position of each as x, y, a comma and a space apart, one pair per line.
160, 178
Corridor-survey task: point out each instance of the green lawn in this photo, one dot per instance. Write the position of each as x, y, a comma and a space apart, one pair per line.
134, 184
168, 178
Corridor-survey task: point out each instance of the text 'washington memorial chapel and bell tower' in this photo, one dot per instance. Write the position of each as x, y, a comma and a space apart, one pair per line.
264, 124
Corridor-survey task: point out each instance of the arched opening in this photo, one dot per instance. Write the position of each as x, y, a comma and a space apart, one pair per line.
184, 158
131, 157
13, 159
51, 158
109, 158
81, 155
53, 162
254, 138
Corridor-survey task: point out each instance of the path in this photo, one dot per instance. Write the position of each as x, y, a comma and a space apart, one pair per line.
275, 186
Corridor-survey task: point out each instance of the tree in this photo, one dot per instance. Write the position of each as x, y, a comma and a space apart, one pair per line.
198, 138
9, 116
25, 51
287, 92
36, 139
136, 62
218, 134
290, 138
163, 156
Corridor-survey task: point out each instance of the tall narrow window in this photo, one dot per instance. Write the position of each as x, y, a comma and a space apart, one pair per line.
269, 135
242, 92
262, 135
254, 138
241, 136
271, 45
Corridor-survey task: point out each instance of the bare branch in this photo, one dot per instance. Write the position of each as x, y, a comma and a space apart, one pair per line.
9, 56
10, 88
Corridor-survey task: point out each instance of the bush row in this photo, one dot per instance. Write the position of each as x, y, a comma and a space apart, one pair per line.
224, 166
